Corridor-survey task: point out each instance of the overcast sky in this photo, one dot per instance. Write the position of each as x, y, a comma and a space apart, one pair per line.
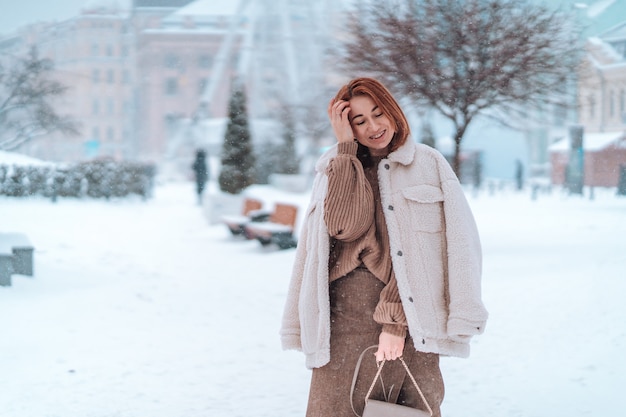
16, 13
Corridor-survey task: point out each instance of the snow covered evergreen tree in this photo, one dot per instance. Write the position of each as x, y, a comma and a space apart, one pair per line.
237, 154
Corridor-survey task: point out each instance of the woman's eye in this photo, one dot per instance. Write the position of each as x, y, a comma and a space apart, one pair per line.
378, 115
359, 123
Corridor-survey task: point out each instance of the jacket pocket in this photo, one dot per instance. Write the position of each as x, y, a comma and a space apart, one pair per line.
425, 205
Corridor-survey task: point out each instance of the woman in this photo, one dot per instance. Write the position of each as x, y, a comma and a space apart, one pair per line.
388, 255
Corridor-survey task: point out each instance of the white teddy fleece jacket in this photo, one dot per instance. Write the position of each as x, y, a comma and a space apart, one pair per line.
435, 251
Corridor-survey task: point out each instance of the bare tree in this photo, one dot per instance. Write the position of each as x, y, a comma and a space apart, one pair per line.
27, 95
499, 58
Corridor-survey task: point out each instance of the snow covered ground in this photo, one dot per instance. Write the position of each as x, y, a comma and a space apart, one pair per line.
144, 309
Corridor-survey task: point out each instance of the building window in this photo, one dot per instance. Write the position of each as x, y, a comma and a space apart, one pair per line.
171, 86
124, 51
172, 61
109, 50
95, 51
126, 77
204, 61
592, 107
110, 133
95, 133
110, 106
95, 106
611, 104
622, 104
110, 76
95, 76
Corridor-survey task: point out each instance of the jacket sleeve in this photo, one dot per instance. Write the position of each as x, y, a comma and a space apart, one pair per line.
290, 331
348, 207
467, 314
309, 277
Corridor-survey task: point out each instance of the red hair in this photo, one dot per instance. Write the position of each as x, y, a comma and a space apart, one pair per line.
384, 100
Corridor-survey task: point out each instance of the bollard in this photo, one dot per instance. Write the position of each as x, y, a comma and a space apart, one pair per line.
621, 184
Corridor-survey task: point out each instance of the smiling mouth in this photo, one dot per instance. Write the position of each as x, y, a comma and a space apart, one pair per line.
378, 136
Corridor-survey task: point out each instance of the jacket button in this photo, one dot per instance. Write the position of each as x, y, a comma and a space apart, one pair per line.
423, 342
390, 207
399, 253
411, 299
386, 166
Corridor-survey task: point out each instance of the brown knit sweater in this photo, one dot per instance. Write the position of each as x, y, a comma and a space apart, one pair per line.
356, 224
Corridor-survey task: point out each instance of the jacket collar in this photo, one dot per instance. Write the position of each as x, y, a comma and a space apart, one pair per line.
403, 155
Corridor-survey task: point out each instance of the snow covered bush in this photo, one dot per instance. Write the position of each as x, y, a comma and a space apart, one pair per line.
96, 179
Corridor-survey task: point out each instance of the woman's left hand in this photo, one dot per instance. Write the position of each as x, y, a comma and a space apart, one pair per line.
390, 347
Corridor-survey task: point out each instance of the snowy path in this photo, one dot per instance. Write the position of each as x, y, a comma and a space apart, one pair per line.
142, 309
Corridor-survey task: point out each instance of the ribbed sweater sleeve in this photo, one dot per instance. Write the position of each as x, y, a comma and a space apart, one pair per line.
389, 311
354, 219
348, 208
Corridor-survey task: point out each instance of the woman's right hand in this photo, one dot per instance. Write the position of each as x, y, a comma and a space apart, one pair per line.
338, 115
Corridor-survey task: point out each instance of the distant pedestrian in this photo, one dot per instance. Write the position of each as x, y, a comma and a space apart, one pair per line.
201, 172
519, 174
477, 174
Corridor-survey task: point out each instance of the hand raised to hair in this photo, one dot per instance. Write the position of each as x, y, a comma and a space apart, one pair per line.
338, 115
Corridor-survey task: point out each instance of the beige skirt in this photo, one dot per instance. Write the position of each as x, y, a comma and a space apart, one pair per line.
353, 299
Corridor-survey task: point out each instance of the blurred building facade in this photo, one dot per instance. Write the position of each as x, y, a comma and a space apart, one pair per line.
179, 55
93, 57
601, 113
602, 87
154, 81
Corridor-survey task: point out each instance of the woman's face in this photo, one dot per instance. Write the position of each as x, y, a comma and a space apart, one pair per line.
370, 126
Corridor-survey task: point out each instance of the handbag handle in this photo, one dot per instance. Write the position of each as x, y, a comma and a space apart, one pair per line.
378, 372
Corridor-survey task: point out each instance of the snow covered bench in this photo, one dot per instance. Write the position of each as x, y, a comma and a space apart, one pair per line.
16, 256
252, 211
279, 228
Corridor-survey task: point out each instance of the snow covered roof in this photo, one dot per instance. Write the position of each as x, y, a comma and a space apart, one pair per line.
206, 15
160, 3
203, 9
604, 48
591, 141
209, 8
104, 5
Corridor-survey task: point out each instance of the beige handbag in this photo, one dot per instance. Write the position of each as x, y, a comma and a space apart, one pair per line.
377, 408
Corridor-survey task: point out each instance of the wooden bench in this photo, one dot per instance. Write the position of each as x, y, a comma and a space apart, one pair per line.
251, 211
16, 256
278, 230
